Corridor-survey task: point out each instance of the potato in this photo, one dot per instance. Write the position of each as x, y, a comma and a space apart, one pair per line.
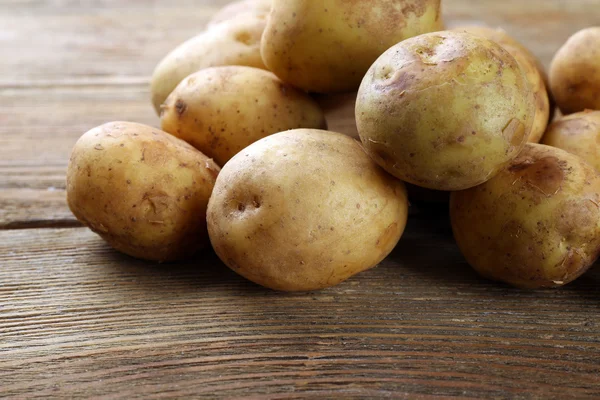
578, 134
257, 8
444, 110
339, 112
575, 72
534, 225
534, 71
327, 46
142, 190
224, 109
235, 42
304, 210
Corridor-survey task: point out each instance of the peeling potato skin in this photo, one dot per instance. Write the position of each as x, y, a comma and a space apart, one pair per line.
255, 8
327, 46
536, 224
444, 110
575, 72
304, 210
142, 190
222, 110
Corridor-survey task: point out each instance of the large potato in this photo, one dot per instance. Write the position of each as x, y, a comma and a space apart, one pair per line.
222, 110
327, 46
444, 110
237, 9
578, 134
575, 72
304, 210
142, 190
234, 42
536, 224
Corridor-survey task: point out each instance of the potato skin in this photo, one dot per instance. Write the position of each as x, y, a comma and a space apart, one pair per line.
536, 224
578, 134
327, 46
224, 109
234, 42
575, 72
444, 110
142, 190
256, 8
304, 210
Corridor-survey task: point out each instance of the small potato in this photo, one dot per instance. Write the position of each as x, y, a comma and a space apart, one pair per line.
222, 110
534, 225
235, 42
575, 72
578, 134
257, 8
304, 210
444, 110
339, 112
142, 190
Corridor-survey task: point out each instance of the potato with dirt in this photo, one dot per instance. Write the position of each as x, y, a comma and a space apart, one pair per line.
536, 224
142, 190
237, 9
304, 210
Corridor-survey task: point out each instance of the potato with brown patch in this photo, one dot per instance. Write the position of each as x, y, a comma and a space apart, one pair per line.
327, 46
256, 8
222, 110
444, 110
142, 190
304, 210
534, 225
578, 134
575, 72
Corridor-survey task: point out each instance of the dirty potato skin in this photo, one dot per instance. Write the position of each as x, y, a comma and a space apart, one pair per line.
327, 46
257, 8
234, 42
534, 225
578, 134
444, 110
222, 110
142, 190
575, 72
304, 210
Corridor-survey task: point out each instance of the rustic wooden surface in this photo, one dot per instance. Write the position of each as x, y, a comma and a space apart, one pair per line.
79, 320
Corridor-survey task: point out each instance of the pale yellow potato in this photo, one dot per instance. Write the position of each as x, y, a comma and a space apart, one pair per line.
339, 112
237, 9
304, 210
221, 110
142, 190
578, 134
444, 110
327, 46
575, 72
234, 42
536, 224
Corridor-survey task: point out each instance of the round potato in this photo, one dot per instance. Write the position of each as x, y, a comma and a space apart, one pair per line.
224, 109
534, 71
304, 210
256, 8
234, 42
535, 224
444, 110
327, 46
142, 190
575, 72
578, 134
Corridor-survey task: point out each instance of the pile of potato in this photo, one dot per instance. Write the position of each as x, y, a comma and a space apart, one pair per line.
243, 160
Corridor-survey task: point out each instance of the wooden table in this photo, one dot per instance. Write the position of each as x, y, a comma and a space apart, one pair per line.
79, 320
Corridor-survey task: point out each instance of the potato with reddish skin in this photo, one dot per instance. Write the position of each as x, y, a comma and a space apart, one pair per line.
536, 224
304, 210
222, 110
142, 190
578, 134
237, 9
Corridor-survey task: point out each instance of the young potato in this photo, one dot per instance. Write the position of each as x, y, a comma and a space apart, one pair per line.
234, 42
578, 134
534, 71
575, 72
304, 210
444, 110
142, 190
224, 109
257, 8
536, 224
339, 112
327, 46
